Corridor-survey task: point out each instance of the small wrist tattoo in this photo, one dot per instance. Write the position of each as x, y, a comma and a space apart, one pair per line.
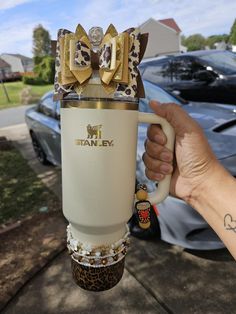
229, 223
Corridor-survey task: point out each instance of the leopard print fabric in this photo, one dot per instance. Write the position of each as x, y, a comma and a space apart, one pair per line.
131, 88
82, 55
59, 89
105, 57
97, 278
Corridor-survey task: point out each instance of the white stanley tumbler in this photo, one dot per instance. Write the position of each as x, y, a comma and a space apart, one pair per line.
99, 123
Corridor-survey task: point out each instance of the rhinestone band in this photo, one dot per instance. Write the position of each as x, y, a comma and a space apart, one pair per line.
99, 256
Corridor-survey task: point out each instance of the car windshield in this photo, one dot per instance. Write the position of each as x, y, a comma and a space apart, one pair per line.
224, 62
154, 92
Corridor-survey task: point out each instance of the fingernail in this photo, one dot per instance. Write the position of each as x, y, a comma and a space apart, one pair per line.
166, 168
159, 139
166, 156
159, 176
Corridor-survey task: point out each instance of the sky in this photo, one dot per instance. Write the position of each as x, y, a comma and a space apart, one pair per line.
19, 17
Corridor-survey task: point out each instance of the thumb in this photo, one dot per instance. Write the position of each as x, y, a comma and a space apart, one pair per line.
175, 115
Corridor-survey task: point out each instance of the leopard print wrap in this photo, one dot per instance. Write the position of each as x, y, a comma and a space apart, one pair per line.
97, 278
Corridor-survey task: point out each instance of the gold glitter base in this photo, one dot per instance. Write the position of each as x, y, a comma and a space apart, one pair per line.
97, 278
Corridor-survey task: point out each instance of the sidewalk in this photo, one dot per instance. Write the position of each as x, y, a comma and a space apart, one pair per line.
159, 278
13, 115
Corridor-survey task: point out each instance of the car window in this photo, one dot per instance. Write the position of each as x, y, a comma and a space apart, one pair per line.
183, 69
47, 106
156, 93
158, 72
222, 61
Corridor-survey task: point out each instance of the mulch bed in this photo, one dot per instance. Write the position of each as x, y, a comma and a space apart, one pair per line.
27, 247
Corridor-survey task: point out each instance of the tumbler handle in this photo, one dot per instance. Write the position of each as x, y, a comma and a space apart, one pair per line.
163, 188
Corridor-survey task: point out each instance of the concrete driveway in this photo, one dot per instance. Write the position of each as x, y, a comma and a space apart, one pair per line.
13, 116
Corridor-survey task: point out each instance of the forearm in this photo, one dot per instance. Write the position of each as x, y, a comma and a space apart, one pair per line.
215, 200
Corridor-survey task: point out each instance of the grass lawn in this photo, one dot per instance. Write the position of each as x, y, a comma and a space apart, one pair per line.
20, 194
14, 89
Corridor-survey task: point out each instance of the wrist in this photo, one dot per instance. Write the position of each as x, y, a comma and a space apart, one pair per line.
214, 199
209, 184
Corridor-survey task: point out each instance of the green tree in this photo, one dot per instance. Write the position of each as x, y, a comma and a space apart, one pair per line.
195, 42
211, 40
232, 35
41, 41
183, 39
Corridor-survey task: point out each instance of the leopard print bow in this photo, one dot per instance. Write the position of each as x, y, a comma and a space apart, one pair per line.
116, 60
83, 56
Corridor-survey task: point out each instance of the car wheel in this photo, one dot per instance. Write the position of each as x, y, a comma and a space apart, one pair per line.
40, 154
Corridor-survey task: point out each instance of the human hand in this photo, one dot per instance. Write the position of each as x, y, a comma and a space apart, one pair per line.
194, 159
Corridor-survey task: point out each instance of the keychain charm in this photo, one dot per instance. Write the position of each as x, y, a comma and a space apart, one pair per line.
143, 207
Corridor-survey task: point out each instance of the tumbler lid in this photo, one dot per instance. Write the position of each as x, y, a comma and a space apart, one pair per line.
96, 35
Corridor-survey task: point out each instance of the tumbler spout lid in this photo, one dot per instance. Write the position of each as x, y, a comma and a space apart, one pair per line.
96, 36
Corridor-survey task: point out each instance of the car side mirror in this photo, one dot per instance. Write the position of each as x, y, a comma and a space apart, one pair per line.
205, 76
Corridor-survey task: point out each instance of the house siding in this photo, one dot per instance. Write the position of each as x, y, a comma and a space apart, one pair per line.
4, 71
162, 39
18, 65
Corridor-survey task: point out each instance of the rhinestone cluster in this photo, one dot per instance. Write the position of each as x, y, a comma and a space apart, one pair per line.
99, 256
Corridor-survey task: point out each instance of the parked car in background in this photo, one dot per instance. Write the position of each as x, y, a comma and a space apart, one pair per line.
179, 223
43, 121
207, 75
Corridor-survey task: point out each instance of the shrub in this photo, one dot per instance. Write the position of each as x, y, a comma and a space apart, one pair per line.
38, 59
33, 80
46, 69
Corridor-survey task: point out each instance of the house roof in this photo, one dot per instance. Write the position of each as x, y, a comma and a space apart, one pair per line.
171, 23
4, 64
17, 55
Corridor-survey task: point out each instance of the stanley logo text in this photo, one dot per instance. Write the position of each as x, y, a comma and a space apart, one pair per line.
94, 138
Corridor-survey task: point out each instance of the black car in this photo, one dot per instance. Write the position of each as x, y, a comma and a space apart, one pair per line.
206, 76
